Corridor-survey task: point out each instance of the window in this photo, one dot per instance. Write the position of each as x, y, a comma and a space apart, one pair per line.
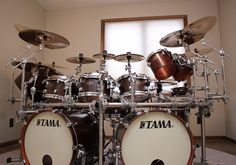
138, 36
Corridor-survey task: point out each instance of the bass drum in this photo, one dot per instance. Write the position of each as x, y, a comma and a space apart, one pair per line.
55, 138
155, 138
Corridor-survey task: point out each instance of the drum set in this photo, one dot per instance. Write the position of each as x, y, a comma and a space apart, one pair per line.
63, 116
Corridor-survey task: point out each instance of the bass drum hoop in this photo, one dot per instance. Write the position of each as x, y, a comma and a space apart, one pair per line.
134, 116
24, 129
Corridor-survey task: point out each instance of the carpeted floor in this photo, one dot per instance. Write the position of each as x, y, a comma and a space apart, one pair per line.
214, 157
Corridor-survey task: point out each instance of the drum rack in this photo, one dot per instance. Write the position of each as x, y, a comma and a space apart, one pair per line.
157, 61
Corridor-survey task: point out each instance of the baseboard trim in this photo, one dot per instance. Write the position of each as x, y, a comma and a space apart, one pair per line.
215, 138
230, 139
9, 143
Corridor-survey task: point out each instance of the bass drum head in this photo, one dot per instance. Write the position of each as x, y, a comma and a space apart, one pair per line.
154, 138
47, 139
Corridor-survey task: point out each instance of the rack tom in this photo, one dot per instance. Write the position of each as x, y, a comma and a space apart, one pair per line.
90, 88
161, 64
141, 83
183, 70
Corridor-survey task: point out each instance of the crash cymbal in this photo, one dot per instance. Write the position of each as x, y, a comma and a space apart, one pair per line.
48, 39
180, 38
131, 57
84, 60
200, 51
100, 56
202, 25
20, 28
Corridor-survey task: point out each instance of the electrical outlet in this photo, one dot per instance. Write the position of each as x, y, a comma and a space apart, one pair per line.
11, 122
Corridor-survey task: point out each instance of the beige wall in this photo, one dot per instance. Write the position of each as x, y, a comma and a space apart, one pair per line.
25, 12
82, 28
227, 15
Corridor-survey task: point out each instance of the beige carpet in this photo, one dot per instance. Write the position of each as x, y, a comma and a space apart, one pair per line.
214, 157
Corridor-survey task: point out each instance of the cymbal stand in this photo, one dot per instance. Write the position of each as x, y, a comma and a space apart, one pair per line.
222, 54
23, 64
33, 89
202, 112
71, 80
132, 78
79, 67
115, 146
12, 99
100, 106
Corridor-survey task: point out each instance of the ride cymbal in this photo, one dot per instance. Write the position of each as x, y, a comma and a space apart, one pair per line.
78, 60
129, 56
47, 39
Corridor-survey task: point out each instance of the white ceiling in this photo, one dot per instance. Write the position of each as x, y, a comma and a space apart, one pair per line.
69, 4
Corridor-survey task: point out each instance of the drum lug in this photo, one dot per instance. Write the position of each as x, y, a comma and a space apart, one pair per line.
44, 91
187, 125
126, 125
55, 91
80, 89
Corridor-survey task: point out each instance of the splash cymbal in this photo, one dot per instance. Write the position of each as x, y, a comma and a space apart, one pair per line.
129, 56
200, 51
78, 60
100, 56
20, 28
47, 39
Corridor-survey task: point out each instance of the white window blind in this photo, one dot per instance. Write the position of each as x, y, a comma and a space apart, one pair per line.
139, 37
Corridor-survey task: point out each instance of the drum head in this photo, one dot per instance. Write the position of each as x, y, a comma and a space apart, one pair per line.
156, 137
47, 140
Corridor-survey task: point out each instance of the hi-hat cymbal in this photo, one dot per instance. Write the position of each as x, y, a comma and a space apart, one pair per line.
202, 25
129, 56
47, 39
84, 60
180, 37
100, 56
31, 65
53, 65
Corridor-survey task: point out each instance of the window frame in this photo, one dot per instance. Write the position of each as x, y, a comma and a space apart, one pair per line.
129, 19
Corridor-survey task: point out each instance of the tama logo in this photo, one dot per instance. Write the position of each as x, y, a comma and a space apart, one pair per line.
155, 124
48, 123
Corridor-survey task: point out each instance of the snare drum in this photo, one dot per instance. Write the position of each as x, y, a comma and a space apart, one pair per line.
57, 87
153, 138
89, 87
161, 63
55, 138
